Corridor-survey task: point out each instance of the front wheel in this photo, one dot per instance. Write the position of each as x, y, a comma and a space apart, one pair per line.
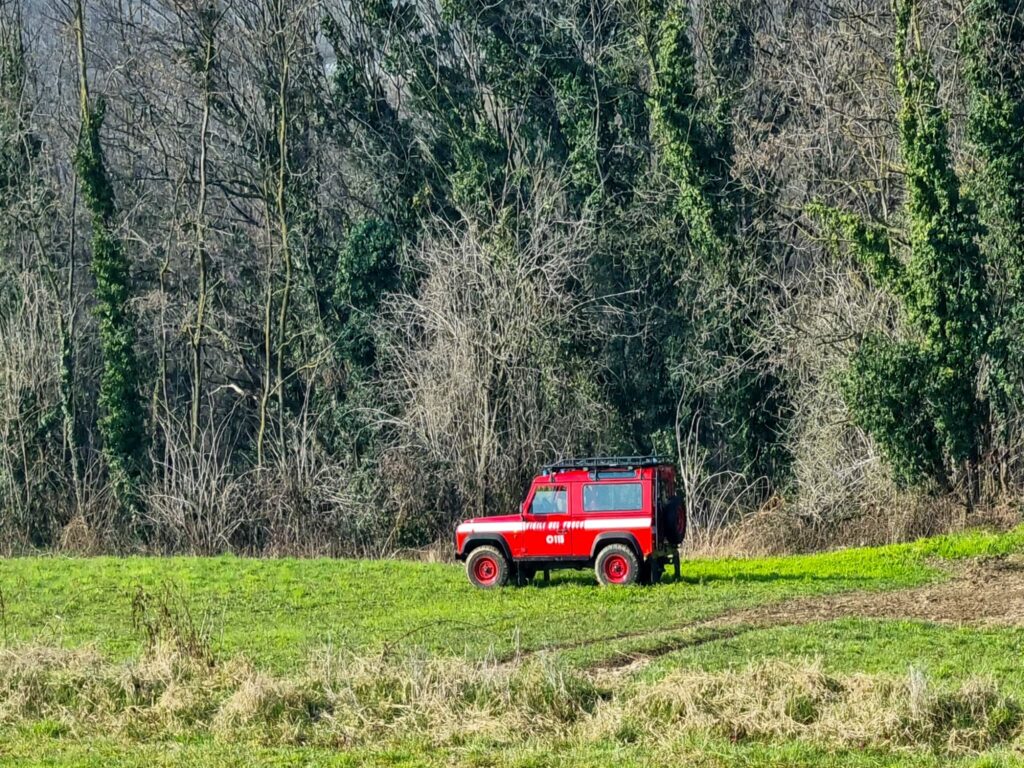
617, 564
487, 567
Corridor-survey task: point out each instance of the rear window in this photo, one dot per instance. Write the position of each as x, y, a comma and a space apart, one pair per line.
613, 497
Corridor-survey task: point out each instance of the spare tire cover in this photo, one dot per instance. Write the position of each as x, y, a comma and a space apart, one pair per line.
670, 522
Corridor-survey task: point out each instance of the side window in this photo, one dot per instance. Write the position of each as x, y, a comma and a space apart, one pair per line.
613, 497
550, 500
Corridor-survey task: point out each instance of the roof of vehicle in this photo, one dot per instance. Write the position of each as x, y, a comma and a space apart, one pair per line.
606, 462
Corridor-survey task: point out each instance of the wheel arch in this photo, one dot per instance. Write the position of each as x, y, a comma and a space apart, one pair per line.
617, 537
475, 540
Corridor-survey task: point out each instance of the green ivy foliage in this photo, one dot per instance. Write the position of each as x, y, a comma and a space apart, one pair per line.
918, 398
871, 243
555, 92
11, 73
945, 294
367, 270
695, 160
122, 417
17, 144
691, 126
362, 118
887, 390
992, 42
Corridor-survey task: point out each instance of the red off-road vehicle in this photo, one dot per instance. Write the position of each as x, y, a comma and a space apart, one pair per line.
619, 515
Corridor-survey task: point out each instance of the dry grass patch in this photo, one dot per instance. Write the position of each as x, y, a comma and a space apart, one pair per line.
336, 702
779, 700
352, 701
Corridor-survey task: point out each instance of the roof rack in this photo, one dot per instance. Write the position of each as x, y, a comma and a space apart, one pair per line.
605, 462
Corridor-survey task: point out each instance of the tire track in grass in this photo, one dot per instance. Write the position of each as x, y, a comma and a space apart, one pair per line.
982, 592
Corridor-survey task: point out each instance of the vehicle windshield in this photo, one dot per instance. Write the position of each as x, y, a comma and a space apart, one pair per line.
549, 500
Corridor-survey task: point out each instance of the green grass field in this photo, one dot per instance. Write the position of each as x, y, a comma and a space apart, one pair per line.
550, 674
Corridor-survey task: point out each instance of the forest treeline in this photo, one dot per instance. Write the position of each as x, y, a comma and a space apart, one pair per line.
328, 275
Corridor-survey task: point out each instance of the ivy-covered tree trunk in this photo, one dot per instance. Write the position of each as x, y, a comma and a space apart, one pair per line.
993, 46
681, 129
690, 126
122, 420
918, 397
945, 287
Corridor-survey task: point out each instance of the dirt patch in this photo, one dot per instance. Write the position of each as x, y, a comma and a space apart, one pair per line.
983, 592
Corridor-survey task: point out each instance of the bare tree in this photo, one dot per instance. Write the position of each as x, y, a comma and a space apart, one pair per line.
481, 367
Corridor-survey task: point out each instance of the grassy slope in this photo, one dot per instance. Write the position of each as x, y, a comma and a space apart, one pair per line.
278, 612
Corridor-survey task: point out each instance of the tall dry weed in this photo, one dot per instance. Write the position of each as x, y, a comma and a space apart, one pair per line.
786, 700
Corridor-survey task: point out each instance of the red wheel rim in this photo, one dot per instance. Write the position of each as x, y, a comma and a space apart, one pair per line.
486, 570
616, 569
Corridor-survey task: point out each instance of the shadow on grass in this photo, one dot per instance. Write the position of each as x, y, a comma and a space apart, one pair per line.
567, 578
767, 578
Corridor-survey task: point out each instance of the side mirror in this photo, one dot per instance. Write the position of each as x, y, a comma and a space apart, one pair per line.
522, 509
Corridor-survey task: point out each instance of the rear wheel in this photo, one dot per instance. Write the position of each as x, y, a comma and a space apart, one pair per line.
487, 567
617, 564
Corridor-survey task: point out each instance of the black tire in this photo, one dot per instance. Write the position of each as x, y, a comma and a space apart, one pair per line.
487, 567
617, 565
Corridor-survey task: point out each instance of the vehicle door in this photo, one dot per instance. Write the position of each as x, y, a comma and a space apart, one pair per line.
546, 532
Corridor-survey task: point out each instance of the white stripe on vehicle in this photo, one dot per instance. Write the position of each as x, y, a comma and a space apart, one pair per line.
597, 523
491, 527
593, 524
